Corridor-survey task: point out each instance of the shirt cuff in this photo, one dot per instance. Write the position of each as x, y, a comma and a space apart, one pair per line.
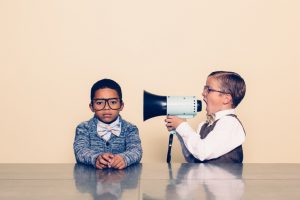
94, 159
125, 158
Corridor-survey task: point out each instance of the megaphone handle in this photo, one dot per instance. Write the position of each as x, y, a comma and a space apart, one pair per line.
170, 145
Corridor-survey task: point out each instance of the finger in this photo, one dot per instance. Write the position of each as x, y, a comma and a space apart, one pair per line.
108, 160
170, 117
169, 126
107, 157
103, 161
111, 156
98, 162
120, 165
100, 166
168, 120
170, 129
115, 162
119, 162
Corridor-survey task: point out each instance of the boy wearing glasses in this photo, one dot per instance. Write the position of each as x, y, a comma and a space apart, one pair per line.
107, 140
220, 138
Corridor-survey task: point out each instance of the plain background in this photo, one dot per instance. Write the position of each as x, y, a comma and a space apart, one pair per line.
51, 52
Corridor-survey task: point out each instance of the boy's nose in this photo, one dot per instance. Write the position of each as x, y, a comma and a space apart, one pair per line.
106, 106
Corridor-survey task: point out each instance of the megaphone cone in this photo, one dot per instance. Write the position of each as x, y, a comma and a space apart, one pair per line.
154, 105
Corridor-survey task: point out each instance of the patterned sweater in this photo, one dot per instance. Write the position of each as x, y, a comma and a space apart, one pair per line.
88, 145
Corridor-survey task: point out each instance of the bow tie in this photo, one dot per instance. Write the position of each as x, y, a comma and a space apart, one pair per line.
103, 129
210, 118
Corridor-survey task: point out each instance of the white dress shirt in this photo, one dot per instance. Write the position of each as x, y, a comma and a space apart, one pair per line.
227, 134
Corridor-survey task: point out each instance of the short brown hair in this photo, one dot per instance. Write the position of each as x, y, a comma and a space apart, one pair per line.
106, 83
231, 83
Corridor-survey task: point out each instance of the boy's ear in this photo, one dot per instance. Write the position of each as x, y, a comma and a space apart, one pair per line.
91, 107
227, 99
122, 106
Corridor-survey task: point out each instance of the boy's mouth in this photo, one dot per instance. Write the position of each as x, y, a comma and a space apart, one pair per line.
205, 104
107, 115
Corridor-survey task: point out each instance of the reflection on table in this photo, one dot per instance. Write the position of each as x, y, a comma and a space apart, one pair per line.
205, 181
106, 183
150, 181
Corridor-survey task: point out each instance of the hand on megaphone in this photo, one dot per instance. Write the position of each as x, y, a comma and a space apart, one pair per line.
172, 122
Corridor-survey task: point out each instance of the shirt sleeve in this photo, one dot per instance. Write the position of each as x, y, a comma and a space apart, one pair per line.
187, 155
133, 152
226, 136
82, 150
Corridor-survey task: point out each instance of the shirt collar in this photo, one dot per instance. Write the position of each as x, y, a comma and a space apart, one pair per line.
222, 113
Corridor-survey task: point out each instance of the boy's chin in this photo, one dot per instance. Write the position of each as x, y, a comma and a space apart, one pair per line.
207, 111
107, 120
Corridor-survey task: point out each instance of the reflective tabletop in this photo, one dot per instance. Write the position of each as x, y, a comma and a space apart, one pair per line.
150, 181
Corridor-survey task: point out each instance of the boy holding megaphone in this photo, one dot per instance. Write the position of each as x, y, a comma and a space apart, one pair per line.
220, 138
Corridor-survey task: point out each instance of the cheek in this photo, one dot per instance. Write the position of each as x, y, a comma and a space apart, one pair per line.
97, 113
211, 101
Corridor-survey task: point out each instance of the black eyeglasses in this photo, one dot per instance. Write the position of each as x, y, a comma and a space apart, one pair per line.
207, 90
113, 103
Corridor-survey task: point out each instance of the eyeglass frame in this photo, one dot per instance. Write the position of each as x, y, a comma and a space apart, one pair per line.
107, 103
207, 89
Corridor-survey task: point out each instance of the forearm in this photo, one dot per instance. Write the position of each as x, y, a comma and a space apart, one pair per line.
133, 152
133, 155
83, 152
85, 155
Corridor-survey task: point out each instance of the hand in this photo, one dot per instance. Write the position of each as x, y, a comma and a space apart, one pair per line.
172, 122
118, 162
104, 160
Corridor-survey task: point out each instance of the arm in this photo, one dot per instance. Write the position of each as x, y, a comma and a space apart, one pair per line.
82, 150
133, 152
227, 135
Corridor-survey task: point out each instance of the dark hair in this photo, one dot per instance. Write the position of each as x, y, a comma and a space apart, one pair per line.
106, 83
232, 83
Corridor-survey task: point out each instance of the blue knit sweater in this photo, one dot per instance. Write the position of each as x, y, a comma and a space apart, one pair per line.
88, 145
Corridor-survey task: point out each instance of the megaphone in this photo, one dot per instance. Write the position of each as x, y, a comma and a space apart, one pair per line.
180, 106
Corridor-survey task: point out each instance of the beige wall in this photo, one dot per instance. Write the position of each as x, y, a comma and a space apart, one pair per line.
51, 52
